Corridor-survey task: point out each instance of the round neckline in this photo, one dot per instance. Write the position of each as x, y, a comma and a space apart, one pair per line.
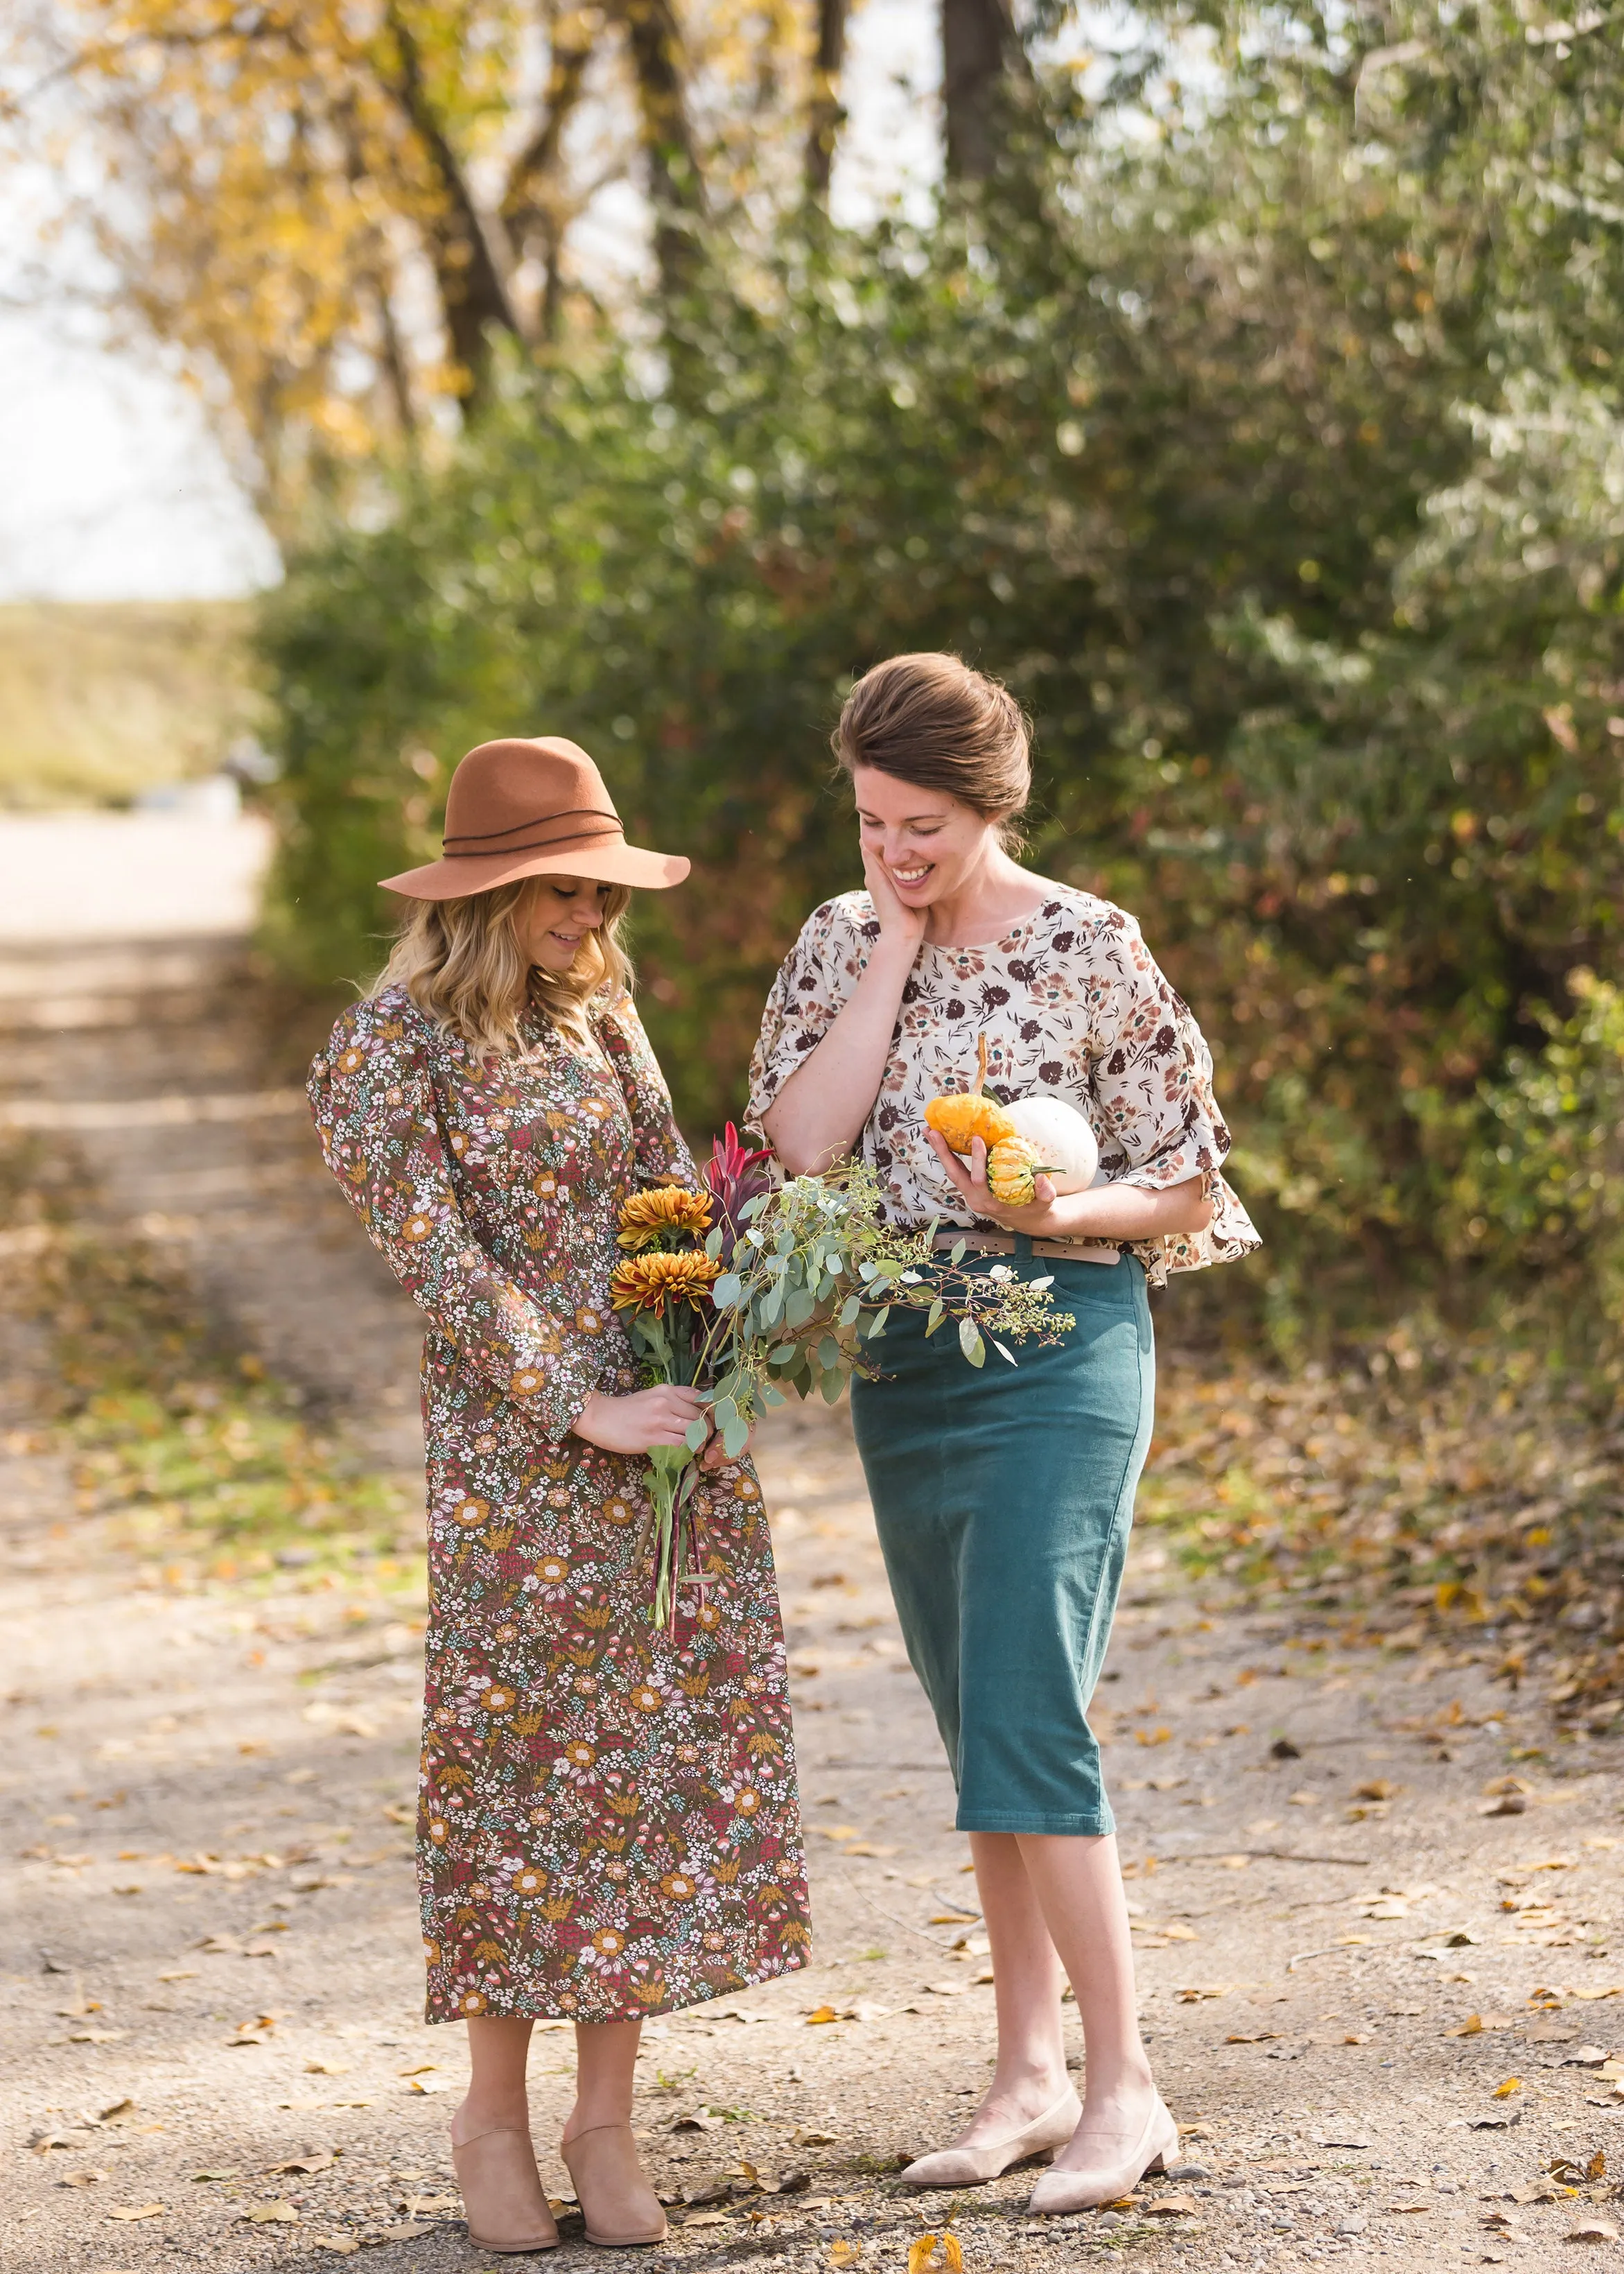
989, 947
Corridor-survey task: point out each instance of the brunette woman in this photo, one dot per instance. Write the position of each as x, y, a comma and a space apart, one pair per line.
1003, 1498
608, 1823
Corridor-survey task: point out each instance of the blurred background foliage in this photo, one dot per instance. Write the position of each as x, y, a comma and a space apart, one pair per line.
1248, 400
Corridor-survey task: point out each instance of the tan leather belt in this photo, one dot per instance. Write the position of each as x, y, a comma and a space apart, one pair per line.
1003, 1243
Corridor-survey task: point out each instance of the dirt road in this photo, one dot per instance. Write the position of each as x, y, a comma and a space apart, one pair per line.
211, 1972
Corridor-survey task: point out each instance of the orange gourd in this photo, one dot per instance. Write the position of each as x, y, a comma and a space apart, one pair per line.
964, 1115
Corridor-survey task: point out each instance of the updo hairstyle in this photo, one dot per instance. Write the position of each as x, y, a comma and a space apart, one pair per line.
931, 721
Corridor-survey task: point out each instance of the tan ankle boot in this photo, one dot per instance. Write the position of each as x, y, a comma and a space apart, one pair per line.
502, 2193
620, 2209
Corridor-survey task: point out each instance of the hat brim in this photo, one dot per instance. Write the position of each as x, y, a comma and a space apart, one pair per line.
603, 865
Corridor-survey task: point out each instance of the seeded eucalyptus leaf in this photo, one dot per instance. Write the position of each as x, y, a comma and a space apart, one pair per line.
970, 1342
938, 1311
998, 1346
833, 1384
957, 1253
693, 1436
713, 1242
849, 1310
726, 1291
735, 1436
877, 1328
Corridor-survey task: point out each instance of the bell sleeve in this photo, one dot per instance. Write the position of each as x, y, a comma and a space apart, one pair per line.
661, 1154
372, 1097
1153, 1081
805, 1000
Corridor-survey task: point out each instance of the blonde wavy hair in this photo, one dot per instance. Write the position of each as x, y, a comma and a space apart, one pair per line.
464, 964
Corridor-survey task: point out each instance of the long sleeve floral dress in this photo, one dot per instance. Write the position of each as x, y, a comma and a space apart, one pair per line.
608, 1823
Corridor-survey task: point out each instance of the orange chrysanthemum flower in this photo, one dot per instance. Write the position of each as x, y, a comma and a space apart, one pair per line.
648, 1216
649, 1282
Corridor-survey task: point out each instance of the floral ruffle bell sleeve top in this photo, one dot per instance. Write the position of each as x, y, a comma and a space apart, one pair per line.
1070, 1001
608, 1823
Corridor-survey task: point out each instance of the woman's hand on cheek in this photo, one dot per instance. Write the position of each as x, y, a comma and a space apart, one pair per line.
1037, 1218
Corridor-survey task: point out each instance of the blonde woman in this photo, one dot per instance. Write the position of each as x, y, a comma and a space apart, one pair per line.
608, 1824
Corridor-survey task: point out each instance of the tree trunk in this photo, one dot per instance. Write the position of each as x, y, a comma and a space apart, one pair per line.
827, 112
533, 206
676, 188
466, 249
979, 49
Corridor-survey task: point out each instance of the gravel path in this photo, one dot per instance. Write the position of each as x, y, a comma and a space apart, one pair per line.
211, 1974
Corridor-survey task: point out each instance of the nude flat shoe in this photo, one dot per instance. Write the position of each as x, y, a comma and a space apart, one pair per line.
499, 2164
622, 2211
972, 2167
1155, 2148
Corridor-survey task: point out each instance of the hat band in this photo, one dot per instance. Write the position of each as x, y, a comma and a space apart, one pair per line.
475, 845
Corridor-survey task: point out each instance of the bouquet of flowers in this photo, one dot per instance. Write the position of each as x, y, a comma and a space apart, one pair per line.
754, 1288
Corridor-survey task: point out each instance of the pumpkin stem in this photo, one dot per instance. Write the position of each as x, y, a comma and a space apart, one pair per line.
980, 1066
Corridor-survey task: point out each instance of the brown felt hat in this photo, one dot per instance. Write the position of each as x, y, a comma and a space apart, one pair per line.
532, 809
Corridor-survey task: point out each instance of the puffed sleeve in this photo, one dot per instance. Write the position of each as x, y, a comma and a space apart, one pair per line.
814, 981
372, 1100
662, 1157
1153, 1079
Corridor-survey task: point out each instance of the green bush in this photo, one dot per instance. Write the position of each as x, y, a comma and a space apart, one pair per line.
1324, 667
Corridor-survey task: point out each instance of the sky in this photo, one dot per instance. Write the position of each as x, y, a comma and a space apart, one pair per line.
111, 485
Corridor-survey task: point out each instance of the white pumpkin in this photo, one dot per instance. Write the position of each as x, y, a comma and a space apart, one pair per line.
1063, 1139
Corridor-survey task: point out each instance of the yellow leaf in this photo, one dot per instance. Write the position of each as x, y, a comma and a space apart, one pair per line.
138, 2211
820, 2013
1504, 2091
936, 2253
845, 2254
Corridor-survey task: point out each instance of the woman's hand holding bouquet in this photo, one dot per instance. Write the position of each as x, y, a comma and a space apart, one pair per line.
752, 1289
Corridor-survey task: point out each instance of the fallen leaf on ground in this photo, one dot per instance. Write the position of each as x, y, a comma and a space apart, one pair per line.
697, 2119
706, 2218
217, 2175
1171, 2207
44, 2142
1509, 1803
1533, 2191
936, 2253
271, 2214
1194, 1997
1592, 2230
96, 2037
180, 1974
820, 2013
805, 2136
423, 2068
1264, 2037
1374, 1788
420, 2206
405, 2234
943, 1989
1475, 2025
341, 2245
837, 1831
326, 2069
82, 2180
117, 2111
322, 2160
428, 2085
137, 2211
1507, 2087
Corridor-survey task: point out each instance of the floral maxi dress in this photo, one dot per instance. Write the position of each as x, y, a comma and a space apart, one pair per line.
608, 1823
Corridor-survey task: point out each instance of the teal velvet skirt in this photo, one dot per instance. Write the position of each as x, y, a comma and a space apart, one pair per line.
1003, 1498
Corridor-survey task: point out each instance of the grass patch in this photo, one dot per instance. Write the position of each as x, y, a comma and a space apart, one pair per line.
103, 700
201, 1463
